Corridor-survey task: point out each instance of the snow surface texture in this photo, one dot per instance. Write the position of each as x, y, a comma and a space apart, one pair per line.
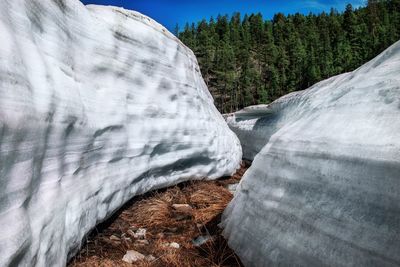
97, 105
253, 132
325, 189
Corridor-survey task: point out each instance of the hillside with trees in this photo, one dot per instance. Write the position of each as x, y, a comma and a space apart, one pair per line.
247, 60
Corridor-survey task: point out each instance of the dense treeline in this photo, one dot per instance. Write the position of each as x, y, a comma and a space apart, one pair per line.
247, 60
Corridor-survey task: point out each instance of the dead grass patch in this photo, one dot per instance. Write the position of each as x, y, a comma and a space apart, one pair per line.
154, 211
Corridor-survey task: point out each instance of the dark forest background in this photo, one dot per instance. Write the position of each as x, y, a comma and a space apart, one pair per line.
246, 60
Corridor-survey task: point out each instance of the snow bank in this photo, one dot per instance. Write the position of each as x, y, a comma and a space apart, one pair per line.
325, 189
249, 125
97, 105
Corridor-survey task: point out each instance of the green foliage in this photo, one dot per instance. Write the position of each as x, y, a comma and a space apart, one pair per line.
248, 60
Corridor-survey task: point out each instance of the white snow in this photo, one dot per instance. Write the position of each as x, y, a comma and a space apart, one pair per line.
324, 190
246, 124
97, 105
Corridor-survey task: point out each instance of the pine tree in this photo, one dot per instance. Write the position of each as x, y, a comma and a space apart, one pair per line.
248, 60
176, 30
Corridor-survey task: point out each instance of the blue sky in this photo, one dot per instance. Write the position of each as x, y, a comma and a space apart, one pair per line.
171, 12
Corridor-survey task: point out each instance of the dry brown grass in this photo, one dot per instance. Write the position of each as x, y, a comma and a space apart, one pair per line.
164, 224
210, 201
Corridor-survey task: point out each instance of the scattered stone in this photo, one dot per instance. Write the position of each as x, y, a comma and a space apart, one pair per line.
139, 234
171, 245
183, 208
174, 245
115, 238
132, 256
150, 258
143, 242
201, 240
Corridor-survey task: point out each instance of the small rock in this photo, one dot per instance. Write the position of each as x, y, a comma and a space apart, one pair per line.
184, 208
132, 256
201, 240
140, 233
171, 245
115, 238
150, 258
174, 245
142, 242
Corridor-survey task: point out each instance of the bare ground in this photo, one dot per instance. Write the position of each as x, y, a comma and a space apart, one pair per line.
166, 223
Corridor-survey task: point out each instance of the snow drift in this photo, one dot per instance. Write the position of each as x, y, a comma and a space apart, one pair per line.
97, 105
254, 126
325, 189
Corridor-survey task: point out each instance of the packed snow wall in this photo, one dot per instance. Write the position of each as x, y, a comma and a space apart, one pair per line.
97, 105
254, 125
325, 188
